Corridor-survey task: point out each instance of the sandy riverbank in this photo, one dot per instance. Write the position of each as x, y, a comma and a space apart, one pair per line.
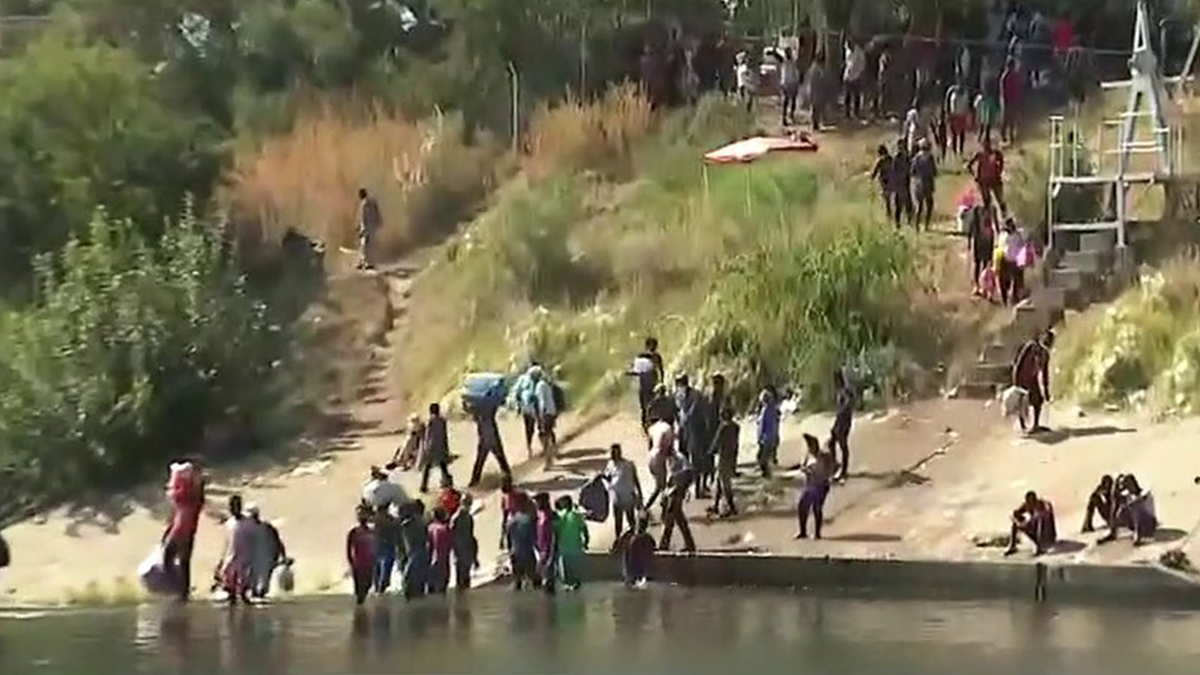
926, 481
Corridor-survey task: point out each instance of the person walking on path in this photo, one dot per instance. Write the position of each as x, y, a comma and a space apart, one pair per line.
987, 111
524, 399
900, 185
441, 547
571, 539
414, 549
924, 172
662, 447
466, 547
839, 435
816, 473
988, 168
726, 442
360, 554
186, 492
958, 110
546, 526
620, 475
680, 476
818, 92
489, 443
768, 431
648, 369
746, 81
1031, 372
436, 448
1012, 95
1010, 254
370, 222
881, 173
981, 237
547, 411
691, 428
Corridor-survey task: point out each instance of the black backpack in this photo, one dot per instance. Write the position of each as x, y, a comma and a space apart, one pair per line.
560, 398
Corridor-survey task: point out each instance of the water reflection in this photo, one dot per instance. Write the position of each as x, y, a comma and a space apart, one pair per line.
605, 629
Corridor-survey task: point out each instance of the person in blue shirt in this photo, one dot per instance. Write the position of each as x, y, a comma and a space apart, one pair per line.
768, 431
524, 399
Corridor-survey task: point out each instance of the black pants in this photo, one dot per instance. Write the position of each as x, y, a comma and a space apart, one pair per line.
447, 479
623, 511
983, 258
902, 205
812, 502
481, 453
1012, 282
462, 572
674, 517
841, 442
363, 578
177, 560
530, 428
724, 489
925, 206
852, 99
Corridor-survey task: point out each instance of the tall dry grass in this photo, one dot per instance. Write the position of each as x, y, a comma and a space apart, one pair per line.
425, 179
575, 135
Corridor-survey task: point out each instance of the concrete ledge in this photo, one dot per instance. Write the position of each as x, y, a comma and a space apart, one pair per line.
1142, 585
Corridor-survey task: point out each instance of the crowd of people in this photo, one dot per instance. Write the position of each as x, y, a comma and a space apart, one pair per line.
1121, 503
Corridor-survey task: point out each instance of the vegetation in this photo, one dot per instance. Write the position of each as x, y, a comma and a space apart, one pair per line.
1141, 351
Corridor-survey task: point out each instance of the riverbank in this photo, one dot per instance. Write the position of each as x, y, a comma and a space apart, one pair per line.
928, 482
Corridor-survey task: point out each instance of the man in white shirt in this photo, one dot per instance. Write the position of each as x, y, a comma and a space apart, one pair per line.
380, 492
620, 475
852, 76
746, 81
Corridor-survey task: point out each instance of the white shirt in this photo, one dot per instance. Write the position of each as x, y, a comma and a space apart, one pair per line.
745, 76
383, 492
544, 392
621, 477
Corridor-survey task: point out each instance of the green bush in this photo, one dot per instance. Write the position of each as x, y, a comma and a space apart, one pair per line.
127, 353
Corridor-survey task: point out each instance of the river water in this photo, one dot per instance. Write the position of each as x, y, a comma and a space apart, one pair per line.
607, 629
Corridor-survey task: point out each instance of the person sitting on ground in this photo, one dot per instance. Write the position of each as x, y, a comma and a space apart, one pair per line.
1035, 519
1134, 510
1101, 502
409, 452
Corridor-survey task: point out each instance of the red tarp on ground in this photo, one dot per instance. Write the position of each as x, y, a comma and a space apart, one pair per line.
751, 149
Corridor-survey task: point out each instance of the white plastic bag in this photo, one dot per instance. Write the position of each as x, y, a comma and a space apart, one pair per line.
153, 574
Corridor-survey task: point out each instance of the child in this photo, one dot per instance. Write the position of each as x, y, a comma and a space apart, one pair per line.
466, 548
639, 554
360, 554
572, 539
547, 547
520, 533
440, 544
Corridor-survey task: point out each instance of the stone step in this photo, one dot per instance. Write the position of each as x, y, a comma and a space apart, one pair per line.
997, 352
995, 373
1066, 279
977, 390
1087, 262
1101, 242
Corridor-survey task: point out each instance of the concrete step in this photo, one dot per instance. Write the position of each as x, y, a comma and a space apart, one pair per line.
1101, 242
1088, 262
997, 352
977, 390
1049, 298
1066, 279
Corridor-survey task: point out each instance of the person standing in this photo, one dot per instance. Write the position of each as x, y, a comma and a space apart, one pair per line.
1012, 94
816, 472
958, 107
571, 540
466, 547
441, 546
360, 554
982, 237
1011, 253
789, 86
547, 411
520, 531
987, 110
414, 545
662, 447
768, 431
436, 448
546, 528
845, 400
852, 80
620, 475
744, 74
489, 442
186, 492
269, 553
924, 172
692, 432
1031, 372
387, 545
818, 92
370, 222
680, 476
726, 442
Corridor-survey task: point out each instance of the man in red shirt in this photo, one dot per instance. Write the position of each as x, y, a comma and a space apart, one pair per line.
988, 167
1031, 372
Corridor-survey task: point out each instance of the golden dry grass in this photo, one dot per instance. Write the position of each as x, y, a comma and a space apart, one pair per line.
575, 135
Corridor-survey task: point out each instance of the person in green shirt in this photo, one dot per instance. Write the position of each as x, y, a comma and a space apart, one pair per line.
572, 538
